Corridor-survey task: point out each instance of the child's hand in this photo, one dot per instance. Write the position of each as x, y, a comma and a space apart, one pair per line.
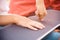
41, 10
28, 23
40, 15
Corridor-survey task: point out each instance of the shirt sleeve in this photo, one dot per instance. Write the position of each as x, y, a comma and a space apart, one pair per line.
4, 6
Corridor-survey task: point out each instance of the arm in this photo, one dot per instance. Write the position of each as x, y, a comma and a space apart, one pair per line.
6, 19
20, 20
41, 10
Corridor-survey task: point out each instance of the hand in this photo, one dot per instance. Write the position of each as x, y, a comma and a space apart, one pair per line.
41, 9
28, 23
40, 15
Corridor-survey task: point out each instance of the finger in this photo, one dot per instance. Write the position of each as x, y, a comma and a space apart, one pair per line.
39, 15
31, 27
38, 25
28, 26
36, 13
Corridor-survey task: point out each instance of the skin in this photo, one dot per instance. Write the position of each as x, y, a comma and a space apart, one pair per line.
41, 9
57, 30
21, 20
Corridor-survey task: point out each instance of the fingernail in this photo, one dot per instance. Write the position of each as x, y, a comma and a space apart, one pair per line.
43, 26
35, 29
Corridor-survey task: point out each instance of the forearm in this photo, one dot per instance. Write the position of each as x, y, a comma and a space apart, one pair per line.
40, 5
6, 19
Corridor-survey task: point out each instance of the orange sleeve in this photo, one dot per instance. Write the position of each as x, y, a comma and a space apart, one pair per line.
55, 4
47, 3
22, 7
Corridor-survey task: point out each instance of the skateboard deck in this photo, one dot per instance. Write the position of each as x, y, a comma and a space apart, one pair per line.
51, 22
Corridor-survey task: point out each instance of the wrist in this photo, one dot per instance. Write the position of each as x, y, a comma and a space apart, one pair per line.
16, 18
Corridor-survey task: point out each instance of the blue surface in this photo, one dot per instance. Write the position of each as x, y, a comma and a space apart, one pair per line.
52, 36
